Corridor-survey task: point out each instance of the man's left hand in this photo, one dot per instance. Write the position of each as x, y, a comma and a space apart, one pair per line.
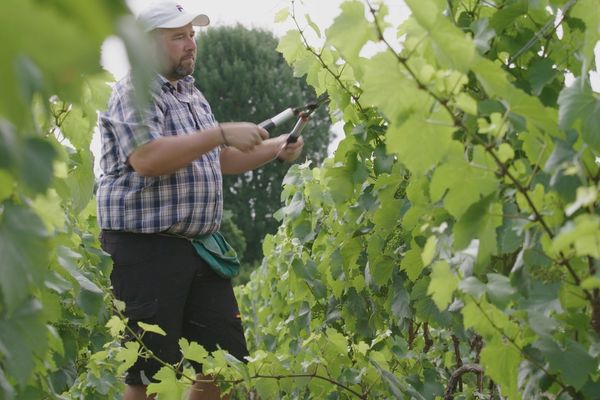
290, 151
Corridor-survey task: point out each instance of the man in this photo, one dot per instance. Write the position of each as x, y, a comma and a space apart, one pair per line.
162, 186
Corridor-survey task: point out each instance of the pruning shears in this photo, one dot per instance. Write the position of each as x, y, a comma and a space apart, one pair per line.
303, 113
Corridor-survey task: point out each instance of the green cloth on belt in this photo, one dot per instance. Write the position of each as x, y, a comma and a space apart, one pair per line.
218, 254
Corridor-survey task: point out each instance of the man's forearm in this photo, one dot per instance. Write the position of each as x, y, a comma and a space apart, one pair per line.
234, 161
165, 155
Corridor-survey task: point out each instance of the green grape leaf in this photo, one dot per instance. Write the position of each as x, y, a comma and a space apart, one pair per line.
579, 102
282, 15
412, 263
152, 328
571, 361
48, 207
587, 11
484, 33
9, 145
429, 251
420, 144
27, 79
381, 270
294, 208
314, 26
443, 284
395, 387
472, 286
572, 297
453, 48
338, 343
539, 74
7, 389
417, 190
497, 84
68, 259
127, 356
505, 152
76, 128
463, 185
168, 386
291, 46
497, 126
499, 290
479, 223
140, 51
351, 30
425, 308
583, 234
310, 66
267, 388
36, 163
388, 213
21, 231
501, 362
339, 182
487, 320
79, 27
586, 196
383, 162
24, 338
466, 103
115, 325
90, 297
81, 180
192, 351
96, 92
239, 366
591, 282
507, 15
537, 146
391, 92
400, 301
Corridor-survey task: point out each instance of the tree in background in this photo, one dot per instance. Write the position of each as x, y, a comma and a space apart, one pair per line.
245, 79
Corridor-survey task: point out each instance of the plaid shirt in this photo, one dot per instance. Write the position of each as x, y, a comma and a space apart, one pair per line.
188, 202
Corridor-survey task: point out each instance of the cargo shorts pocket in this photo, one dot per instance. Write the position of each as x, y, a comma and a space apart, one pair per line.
141, 311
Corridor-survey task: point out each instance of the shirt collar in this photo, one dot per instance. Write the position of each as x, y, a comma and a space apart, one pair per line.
185, 85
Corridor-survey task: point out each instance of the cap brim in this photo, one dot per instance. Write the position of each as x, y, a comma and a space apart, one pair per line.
184, 19
201, 20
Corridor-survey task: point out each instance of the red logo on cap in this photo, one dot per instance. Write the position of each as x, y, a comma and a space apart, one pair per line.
179, 8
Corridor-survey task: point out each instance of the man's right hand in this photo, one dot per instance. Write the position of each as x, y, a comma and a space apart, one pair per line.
243, 135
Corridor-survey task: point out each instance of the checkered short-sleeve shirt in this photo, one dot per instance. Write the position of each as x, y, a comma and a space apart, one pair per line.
188, 202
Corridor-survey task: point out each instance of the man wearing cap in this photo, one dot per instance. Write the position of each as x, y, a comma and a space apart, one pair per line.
161, 186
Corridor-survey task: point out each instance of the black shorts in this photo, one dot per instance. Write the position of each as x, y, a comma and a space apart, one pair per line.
163, 281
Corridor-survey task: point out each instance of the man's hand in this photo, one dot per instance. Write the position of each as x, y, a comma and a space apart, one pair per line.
244, 136
233, 161
289, 151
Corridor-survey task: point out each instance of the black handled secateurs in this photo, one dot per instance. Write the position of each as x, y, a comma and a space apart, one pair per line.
303, 114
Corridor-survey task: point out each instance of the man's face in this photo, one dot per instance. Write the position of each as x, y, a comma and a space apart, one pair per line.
177, 51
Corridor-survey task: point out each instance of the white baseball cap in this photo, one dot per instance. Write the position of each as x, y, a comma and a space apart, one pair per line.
169, 14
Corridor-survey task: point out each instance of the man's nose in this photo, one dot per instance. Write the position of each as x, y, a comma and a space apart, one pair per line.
191, 43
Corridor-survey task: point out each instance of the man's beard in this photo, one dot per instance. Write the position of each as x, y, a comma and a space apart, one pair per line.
181, 71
